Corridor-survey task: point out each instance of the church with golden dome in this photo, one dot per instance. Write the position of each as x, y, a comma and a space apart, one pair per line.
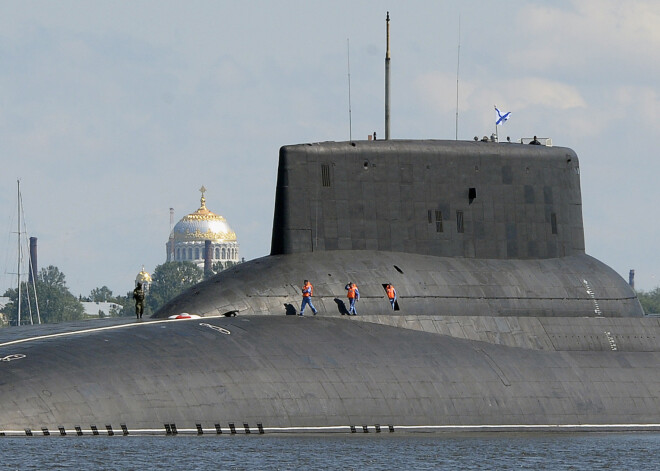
144, 279
188, 238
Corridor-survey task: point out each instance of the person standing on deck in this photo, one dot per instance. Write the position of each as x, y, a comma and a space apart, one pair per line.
391, 294
353, 297
138, 296
307, 292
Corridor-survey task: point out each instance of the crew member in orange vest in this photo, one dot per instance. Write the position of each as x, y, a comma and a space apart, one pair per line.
391, 294
307, 292
353, 296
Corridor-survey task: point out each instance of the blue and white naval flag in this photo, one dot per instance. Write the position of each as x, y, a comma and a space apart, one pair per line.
501, 118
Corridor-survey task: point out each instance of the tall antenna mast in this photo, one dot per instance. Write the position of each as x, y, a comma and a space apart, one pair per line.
387, 81
458, 63
350, 123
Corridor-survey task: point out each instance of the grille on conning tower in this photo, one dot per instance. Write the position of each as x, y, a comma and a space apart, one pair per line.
325, 175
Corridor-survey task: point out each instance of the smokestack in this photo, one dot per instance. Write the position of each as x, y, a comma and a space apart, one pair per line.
32, 275
170, 254
631, 279
387, 81
208, 252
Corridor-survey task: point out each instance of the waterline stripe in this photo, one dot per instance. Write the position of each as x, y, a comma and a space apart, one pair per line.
371, 428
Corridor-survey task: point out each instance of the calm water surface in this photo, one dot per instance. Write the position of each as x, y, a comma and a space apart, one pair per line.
634, 451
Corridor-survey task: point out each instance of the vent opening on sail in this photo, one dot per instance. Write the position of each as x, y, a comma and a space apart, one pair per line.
472, 195
325, 175
459, 222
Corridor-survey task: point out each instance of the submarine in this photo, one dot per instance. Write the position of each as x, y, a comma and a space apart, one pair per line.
502, 323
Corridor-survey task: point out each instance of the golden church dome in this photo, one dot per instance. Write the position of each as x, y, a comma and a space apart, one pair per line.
143, 277
203, 225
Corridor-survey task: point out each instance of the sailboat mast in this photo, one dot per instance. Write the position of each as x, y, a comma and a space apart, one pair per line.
18, 271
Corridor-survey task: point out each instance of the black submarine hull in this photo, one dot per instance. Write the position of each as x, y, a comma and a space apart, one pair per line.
503, 322
292, 374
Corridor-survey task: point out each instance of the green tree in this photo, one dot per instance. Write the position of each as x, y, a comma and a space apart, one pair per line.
127, 304
28, 306
127, 307
104, 294
650, 301
217, 267
56, 303
170, 279
101, 295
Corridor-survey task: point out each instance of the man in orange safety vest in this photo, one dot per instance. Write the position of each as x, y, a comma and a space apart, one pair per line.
391, 294
307, 292
353, 296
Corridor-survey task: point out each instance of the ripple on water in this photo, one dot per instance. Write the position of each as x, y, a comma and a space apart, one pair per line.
580, 452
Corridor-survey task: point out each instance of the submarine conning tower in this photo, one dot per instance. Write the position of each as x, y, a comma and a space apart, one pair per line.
441, 198
460, 228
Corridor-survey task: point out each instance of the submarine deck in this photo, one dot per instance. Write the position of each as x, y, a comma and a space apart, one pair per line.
322, 374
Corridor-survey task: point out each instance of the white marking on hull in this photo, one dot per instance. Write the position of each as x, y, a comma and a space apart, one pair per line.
592, 295
610, 338
96, 329
359, 428
16, 356
216, 328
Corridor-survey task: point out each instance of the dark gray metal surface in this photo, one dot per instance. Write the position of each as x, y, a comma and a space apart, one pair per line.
391, 195
578, 285
315, 372
504, 323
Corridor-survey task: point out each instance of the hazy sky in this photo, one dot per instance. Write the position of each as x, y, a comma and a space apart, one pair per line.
112, 112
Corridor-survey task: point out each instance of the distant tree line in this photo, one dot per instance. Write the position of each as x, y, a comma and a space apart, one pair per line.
650, 301
53, 298
57, 304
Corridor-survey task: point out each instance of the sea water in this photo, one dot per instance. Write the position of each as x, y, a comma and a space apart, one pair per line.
617, 451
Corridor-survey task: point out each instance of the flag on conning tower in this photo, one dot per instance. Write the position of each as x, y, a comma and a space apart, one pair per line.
501, 118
